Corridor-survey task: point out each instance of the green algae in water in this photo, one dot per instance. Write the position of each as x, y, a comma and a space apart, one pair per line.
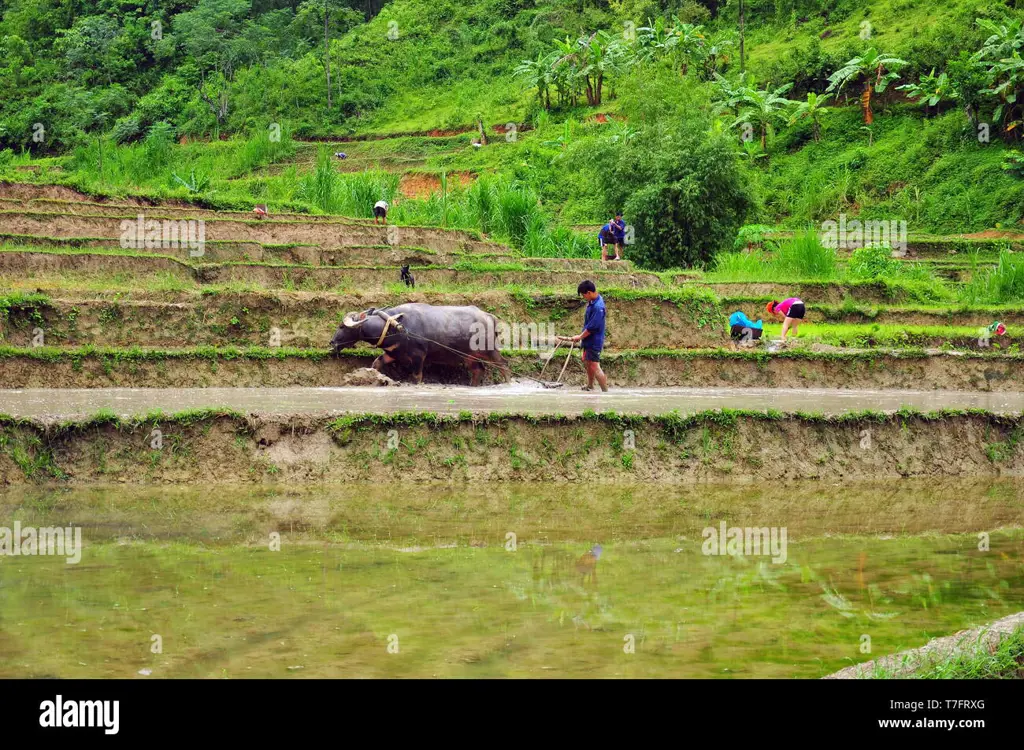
433, 573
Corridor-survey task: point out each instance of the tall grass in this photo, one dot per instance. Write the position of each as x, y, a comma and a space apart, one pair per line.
353, 194
802, 258
503, 209
153, 162
1004, 283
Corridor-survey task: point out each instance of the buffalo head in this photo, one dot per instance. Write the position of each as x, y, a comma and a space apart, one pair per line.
350, 331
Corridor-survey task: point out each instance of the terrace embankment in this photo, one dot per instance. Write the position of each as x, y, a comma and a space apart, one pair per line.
211, 448
961, 645
311, 255
228, 318
87, 367
60, 269
902, 315
748, 294
639, 319
327, 234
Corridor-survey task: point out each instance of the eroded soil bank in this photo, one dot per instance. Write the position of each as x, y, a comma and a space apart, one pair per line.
209, 448
270, 367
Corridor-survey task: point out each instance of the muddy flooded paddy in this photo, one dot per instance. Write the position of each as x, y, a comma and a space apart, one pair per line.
517, 398
502, 579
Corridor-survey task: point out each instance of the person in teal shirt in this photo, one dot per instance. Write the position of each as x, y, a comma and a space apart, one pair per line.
742, 328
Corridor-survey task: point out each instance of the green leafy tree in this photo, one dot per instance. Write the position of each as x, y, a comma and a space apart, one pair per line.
17, 57
683, 193
969, 79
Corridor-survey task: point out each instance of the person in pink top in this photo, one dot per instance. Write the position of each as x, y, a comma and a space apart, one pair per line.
791, 311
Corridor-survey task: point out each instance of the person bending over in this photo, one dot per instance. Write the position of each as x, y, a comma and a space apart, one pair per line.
791, 311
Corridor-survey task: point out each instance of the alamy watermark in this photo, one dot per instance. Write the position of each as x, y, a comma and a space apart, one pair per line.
104, 714
745, 541
855, 234
164, 234
489, 336
48, 540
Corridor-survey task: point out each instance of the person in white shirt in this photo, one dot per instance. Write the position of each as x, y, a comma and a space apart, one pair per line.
380, 211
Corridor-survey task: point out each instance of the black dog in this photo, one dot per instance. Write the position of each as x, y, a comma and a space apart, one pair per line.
408, 277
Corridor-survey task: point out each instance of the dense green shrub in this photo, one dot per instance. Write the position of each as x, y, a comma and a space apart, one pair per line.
873, 263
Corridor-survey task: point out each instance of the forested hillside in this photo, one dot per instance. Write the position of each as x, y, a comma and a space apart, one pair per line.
692, 117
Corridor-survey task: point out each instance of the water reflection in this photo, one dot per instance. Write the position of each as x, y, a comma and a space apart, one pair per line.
901, 562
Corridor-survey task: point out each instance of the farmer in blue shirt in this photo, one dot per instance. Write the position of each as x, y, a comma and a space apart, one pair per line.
592, 335
612, 233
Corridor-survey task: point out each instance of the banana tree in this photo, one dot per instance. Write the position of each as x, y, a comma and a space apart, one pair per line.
689, 41
876, 69
1008, 86
930, 90
1003, 39
654, 40
763, 109
599, 56
811, 109
726, 95
715, 53
563, 140
565, 70
539, 73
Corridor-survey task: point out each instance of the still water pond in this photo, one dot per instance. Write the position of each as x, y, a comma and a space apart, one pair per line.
449, 581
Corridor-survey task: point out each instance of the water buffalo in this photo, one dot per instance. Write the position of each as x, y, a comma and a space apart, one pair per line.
416, 333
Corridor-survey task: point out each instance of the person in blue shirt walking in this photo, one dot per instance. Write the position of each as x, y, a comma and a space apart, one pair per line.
591, 338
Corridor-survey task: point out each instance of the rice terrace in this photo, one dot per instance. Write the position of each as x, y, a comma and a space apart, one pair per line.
642, 339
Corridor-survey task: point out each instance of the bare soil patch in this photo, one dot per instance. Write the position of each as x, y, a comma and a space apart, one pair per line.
423, 185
